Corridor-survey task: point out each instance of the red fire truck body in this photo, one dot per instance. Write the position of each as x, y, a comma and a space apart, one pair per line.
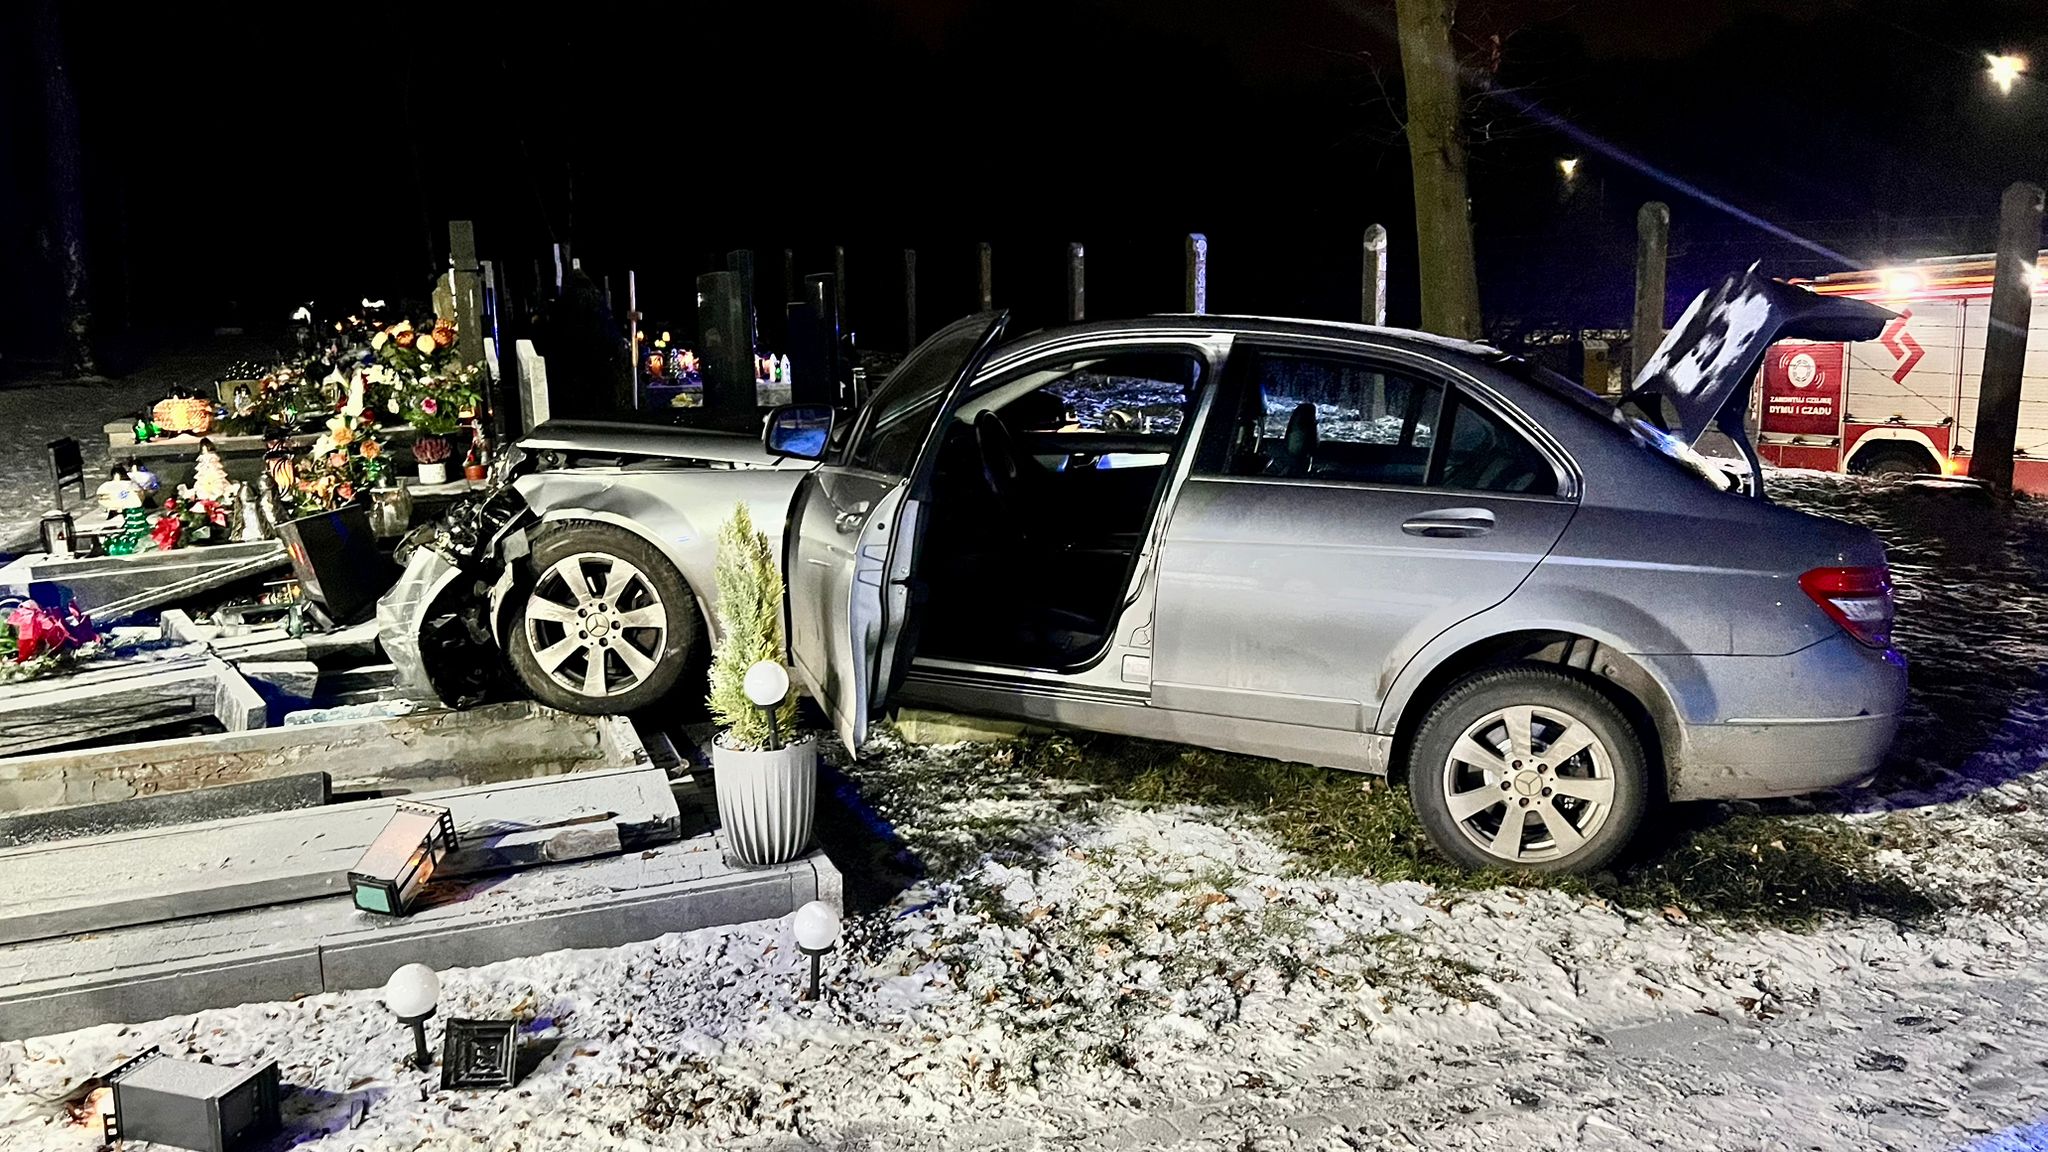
1907, 401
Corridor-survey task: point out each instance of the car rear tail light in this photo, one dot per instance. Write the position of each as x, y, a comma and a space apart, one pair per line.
1859, 599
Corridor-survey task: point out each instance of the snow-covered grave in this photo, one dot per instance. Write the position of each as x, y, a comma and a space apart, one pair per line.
1065, 964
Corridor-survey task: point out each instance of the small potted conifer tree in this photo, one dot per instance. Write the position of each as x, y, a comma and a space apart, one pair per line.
765, 773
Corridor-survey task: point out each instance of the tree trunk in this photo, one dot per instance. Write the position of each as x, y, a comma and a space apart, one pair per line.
66, 186
1436, 151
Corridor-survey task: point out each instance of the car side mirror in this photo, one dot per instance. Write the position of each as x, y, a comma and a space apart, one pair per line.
798, 430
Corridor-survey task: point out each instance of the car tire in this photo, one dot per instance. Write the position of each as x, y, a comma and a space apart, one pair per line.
1482, 758
635, 616
1896, 462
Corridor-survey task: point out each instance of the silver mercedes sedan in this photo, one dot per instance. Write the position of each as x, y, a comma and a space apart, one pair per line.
1354, 547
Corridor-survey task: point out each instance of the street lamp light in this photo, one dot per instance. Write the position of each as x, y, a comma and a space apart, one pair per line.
2006, 70
817, 930
411, 994
1569, 165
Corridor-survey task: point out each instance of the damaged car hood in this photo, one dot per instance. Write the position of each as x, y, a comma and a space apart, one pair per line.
610, 438
1700, 376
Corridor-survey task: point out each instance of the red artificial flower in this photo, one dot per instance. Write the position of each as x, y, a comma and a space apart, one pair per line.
166, 533
37, 630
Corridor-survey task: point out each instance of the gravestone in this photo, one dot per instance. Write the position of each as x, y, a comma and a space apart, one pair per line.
728, 360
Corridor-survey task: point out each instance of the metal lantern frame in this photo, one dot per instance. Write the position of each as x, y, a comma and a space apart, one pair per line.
403, 857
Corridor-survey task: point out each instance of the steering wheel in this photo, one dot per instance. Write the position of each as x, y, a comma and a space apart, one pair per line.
999, 464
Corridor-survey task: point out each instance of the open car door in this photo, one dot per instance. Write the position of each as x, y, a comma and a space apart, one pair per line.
850, 547
1700, 376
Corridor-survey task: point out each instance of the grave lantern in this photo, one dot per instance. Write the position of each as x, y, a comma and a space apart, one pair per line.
185, 1104
59, 534
402, 858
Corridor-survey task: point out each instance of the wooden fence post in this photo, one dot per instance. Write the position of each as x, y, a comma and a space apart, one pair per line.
909, 298
1077, 283
1372, 285
1197, 295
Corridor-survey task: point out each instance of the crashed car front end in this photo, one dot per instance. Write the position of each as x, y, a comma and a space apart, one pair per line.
435, 622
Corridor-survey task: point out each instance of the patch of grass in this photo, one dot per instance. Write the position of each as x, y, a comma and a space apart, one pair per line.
1754, 868
1335, 821
1786, 870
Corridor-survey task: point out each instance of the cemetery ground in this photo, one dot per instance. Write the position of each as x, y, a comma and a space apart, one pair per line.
1085, 942
34, 412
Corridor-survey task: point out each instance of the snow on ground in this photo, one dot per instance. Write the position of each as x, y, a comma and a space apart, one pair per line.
1078, 971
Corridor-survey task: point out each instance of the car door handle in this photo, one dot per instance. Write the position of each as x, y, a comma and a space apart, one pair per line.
1447, 523
850, 519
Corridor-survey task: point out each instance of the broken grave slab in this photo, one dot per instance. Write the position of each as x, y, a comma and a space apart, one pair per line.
106, 882
154, 970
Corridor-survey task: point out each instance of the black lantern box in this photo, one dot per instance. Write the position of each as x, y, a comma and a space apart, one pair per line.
184, 1104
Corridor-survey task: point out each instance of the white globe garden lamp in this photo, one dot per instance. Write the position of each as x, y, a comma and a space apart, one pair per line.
767, 685
411, 994
816, 926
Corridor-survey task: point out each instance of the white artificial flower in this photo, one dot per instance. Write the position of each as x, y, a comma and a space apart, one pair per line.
378, 340
304, 313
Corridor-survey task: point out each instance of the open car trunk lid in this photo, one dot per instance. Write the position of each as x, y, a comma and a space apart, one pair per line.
1700, 376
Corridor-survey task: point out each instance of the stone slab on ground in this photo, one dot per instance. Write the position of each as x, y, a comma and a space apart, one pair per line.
113, 696
285, 685
161, 810
94, 582
928, 726
131, 878
277, 953
425, 750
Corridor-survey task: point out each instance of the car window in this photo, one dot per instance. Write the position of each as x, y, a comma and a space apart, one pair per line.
1134, 404
1486, 455
1329, 418
1148, 396
900, 415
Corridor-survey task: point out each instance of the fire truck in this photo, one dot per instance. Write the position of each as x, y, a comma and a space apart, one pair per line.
1905, 403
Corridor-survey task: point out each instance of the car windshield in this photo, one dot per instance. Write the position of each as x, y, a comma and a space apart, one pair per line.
1644, 433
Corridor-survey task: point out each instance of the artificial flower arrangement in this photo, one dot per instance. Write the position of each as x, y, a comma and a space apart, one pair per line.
44, 641
345, 463
184, 522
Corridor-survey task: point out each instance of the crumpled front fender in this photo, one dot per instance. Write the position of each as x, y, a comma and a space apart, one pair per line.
402, 614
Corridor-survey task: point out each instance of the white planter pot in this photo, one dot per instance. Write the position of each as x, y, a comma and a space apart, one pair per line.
767, 800
434, 473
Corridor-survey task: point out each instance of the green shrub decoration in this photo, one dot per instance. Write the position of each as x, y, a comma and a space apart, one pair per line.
750, 622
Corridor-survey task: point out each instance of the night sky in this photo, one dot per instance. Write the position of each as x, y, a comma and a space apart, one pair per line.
243, 157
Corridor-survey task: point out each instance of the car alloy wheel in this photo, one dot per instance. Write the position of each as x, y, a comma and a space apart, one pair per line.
595, 624
1529, 783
